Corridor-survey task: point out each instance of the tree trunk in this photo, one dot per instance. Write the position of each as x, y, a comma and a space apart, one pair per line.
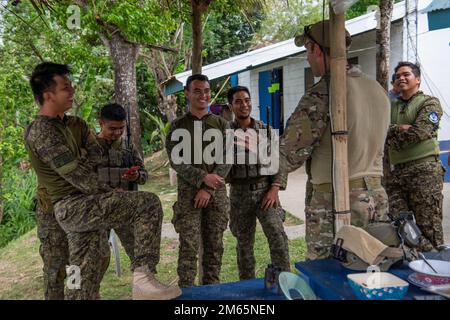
383, 36
383, 40
198, 8
170, 106
196, 39
124, 56
162, 71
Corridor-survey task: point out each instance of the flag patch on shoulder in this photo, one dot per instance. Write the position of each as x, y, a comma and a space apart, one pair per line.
433, 117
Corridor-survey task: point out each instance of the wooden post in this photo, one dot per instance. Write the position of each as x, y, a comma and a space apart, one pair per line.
338, 112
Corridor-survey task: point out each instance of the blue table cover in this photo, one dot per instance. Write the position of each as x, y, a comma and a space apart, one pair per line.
241, 290
328, 279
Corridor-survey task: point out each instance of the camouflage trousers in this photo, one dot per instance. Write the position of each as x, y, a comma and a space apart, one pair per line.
54, 251
205, 225
245, 208
418, 188
86, 219
368, 204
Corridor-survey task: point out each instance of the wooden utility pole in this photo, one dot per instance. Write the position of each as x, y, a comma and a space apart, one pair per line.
338, 112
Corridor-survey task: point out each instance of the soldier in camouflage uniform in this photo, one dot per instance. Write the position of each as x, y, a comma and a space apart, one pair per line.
117, 157
202, 207
254, 194
416, 181
85, 207
308, 137
54, 248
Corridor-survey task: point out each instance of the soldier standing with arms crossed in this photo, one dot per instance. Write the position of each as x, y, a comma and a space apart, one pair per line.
416, 182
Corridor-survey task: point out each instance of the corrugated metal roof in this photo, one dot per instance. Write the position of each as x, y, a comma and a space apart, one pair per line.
272, 53
437, 5
238, 63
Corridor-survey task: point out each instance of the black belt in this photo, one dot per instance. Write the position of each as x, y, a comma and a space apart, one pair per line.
251, 186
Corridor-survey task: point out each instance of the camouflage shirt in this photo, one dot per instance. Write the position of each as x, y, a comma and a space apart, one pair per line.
195, 171
304, 129
251, 173
424, 125
61, 164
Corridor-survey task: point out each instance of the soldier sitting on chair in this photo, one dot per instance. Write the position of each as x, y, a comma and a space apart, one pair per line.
117, 157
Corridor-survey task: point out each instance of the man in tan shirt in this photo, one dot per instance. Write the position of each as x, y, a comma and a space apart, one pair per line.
308, 137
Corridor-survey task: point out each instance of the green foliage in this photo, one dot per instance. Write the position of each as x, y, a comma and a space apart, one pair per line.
147, 102
283, 20
146, 22
162, 129
359, 8
19, 188
227, 34
26, 41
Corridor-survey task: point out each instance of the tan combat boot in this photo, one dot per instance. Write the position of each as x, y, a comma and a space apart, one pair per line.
147, 287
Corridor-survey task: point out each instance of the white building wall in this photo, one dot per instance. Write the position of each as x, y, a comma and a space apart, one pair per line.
433, 56
294, 84
363, 47
396, 47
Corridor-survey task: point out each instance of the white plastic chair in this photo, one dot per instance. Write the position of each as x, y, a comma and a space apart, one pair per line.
116, 251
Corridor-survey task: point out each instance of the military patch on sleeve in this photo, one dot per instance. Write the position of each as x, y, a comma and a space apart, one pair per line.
433, 117
63, 159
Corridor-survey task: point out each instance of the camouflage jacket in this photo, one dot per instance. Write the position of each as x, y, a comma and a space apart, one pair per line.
194, 171
252, 172
424, 126
62, 165
304, 129
117, 155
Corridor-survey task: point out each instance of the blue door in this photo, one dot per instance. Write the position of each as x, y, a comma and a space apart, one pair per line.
270, 98
234, 80
265, 98
277, 94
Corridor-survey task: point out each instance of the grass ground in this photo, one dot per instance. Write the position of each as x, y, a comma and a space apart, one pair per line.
21, 265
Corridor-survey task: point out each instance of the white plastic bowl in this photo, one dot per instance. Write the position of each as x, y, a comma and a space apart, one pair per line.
426, 275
